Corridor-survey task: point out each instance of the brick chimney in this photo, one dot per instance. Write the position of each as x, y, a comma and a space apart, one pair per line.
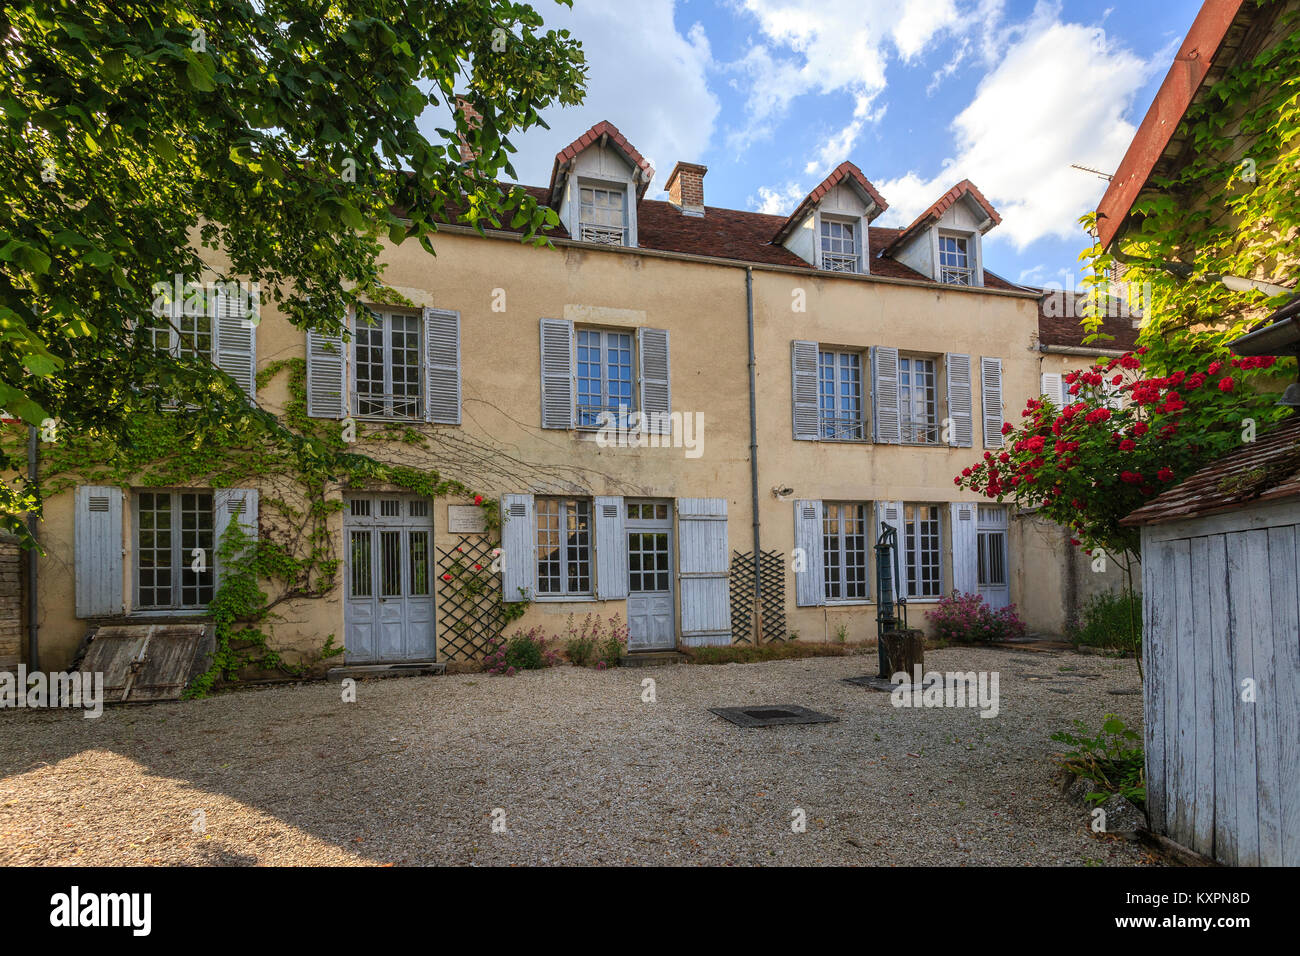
686, 188
472, 119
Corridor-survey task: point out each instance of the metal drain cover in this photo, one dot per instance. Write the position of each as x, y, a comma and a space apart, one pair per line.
772, 715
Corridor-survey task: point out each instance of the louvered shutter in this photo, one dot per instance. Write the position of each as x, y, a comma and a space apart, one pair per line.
557, 373
235, 342
891, 513
886, 424
810, 583
656, 382
611, 549
703, 560
326, 375
232, 505
1051, 386
959, 400
803, 384
442, 366
991, 392
965, 545
97, 530
518, 544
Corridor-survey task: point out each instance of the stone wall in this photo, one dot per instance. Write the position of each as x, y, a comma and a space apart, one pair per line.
11, 601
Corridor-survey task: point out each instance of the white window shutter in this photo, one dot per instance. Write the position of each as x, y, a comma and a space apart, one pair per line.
98, 558
557, 373
1051, 386
611, 548
703, 563
235, 342
442, 366
891, 513
959, 400
810, 583
965, 544
656, 382
991, 391
886, 425
803, 379
518, 548
231, 504
326, 376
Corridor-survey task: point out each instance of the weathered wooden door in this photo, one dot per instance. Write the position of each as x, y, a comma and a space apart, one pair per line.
388, 601
703, 564
994, 580
651, 617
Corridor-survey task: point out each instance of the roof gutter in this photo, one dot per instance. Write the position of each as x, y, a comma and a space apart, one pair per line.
1081, 350
33, 558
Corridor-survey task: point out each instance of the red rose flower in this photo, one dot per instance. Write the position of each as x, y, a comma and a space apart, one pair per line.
1165, 474
1226, 384
1127, 444
478, 499
446, 577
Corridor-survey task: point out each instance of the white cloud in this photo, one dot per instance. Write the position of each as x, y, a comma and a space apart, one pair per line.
777, 202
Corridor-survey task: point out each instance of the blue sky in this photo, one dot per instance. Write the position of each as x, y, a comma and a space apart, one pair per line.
772, 94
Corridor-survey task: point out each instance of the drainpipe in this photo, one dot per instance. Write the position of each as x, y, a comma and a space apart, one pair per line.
753, 455
33, 628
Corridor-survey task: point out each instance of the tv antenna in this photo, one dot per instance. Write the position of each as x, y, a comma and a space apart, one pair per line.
1096, 172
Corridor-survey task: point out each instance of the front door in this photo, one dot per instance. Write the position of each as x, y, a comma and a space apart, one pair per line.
388, 596
651, 622
991, 533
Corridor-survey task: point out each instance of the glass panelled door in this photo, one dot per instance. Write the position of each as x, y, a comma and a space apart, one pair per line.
994, 579
651, 619
388, 601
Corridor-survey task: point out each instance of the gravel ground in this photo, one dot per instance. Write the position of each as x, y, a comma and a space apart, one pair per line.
583, 770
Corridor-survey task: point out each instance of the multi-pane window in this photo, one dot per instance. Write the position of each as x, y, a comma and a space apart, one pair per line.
839, 395
918, 400
563, 546
992, 546
601, 215
923, 548
844, 551
604, 377
954, 260
839, 246
387, 363
174, 554
647, 561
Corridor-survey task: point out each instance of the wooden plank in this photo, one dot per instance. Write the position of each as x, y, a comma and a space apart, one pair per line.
1225, 746
1243, 666
1284, 590
1183, 796
1155, 684
1266, 766
1203, 705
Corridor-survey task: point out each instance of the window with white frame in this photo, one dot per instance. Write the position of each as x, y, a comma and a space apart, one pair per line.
839, 395
923, 548
954, 260
839, 245
918, 399
174, 541
845, 545
604, 377
602, 215
184, 334
564, 552
386, 363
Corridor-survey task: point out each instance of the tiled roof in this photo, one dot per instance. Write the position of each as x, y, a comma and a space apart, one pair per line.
842, 171
593, 135
1267, 469
1061, 327
944, 203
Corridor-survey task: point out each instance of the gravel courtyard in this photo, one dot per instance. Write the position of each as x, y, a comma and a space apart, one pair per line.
581, 770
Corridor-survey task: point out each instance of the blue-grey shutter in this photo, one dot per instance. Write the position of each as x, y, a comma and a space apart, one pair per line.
891, 513
611, 548
97, 530
557, 373
703, 561
959, 400
442, 366
235, 338
886, 424
803, 384
518, 544
965, 545
326, 367
991, 389
656, 382
810, 583
231, 504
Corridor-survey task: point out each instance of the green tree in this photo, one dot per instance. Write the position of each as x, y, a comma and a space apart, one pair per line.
278, 142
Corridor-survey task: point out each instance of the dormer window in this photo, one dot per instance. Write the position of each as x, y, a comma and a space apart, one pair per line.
839, 245
954, 260
602, 215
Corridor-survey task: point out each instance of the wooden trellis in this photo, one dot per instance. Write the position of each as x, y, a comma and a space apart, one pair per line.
741, 584
469, 604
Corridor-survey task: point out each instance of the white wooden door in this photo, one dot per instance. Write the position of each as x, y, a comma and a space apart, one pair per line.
651, 618
388, 580
994, 576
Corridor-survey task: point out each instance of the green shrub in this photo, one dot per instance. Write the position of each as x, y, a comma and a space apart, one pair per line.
1111, 760
1106, 622
749, 654
966, 619
599, 643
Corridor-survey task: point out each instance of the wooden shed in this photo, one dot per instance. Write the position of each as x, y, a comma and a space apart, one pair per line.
1221, 648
